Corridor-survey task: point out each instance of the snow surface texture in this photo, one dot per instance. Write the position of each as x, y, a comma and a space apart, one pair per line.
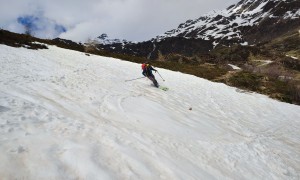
65, 115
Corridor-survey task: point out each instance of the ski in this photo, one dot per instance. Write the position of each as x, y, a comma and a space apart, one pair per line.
163, 88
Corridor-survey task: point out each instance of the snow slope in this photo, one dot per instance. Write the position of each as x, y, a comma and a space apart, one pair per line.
65, 115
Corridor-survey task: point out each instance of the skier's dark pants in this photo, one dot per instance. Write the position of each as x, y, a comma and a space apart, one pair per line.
152, 78
148, 73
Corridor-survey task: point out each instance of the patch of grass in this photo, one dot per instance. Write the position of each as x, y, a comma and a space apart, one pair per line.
209, 73
286, 91
253, 57
235, 53
246, 80
286, 44
291, 63
294, 53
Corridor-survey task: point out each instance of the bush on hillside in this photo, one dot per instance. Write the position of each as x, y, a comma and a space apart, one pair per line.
291, 63
246, 80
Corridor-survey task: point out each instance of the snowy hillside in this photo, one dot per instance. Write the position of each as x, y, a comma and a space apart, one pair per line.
236, 21
246, 23
65, 115
105, 40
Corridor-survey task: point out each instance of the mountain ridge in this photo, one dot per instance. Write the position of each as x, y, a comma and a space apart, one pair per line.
248, 22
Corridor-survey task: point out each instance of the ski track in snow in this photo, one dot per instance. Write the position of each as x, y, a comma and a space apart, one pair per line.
65, 115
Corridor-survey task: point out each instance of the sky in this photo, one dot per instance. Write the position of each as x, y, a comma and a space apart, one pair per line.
77, 20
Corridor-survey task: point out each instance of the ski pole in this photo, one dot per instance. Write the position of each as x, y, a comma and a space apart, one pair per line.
134, 79
160, 76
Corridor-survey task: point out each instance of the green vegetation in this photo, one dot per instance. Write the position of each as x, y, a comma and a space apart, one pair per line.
288, 44
246, 80
286, 91
235, 53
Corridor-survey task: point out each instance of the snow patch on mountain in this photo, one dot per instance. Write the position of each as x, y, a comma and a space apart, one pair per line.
292, 15
105, 40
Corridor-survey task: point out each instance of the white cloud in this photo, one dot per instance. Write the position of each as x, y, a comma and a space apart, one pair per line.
129, 19
15, 27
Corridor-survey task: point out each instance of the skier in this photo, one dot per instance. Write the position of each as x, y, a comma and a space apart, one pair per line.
147, 72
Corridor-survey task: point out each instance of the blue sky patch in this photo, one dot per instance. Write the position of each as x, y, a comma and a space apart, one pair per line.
40, 26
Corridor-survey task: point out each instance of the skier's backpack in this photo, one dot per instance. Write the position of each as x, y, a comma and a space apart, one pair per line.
144, 66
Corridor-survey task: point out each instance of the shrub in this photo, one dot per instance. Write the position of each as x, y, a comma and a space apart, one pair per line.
294, 89
246, 80
291, 63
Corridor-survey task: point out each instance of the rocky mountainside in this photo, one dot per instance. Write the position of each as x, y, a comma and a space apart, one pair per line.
104, 39
239, 22
248, 22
